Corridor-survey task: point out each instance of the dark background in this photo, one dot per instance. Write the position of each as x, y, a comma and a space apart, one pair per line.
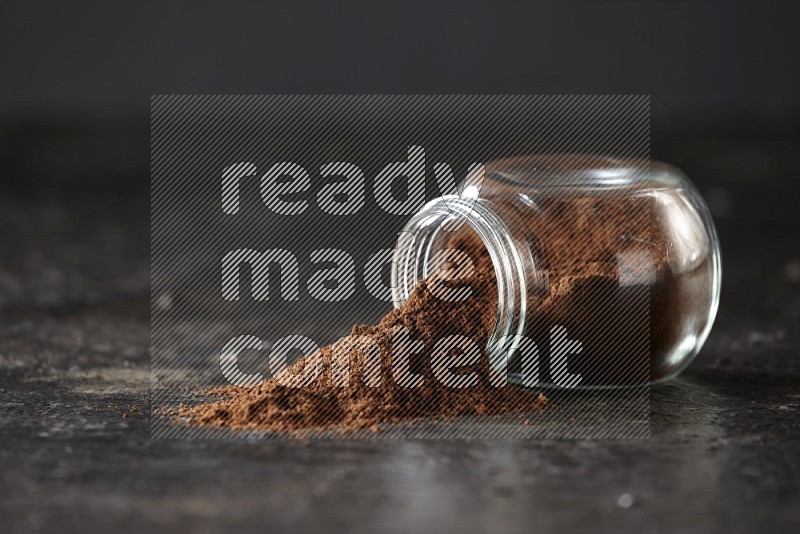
76, 79
77, 76
75, 85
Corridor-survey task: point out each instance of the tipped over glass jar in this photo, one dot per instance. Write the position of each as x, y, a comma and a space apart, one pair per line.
608, 270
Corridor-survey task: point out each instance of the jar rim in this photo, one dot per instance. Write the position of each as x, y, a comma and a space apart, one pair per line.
408, 268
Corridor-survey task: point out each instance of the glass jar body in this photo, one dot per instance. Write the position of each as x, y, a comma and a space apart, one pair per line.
608, 271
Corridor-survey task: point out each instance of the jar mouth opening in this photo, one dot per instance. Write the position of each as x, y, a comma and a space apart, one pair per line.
412, 263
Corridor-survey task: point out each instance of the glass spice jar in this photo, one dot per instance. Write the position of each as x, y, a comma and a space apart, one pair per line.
608, 270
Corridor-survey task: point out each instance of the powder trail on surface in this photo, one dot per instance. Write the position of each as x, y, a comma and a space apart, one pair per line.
356, 402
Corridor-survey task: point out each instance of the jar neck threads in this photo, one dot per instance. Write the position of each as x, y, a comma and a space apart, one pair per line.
413, 262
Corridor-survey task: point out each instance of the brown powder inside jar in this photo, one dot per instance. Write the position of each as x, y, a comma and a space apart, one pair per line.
611, 270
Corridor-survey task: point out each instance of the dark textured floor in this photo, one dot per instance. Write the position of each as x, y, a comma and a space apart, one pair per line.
75, 453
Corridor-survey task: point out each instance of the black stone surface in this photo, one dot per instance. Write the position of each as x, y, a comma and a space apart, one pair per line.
76, 454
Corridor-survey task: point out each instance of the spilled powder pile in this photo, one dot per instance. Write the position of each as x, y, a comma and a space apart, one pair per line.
371, 395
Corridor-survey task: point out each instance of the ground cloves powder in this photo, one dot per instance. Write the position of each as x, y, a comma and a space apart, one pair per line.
627, 275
